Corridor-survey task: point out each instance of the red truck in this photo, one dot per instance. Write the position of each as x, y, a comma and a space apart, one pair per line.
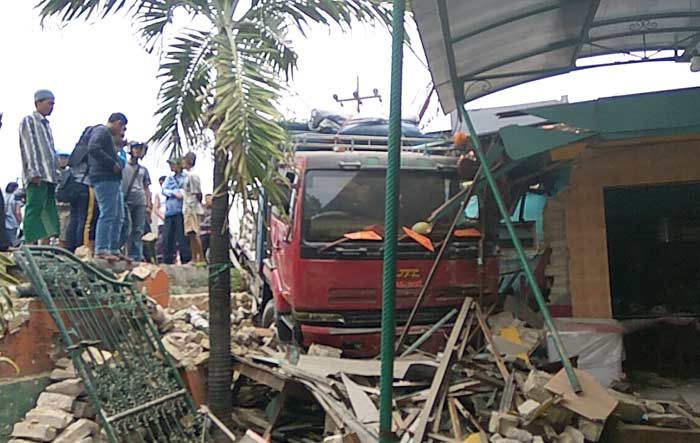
321, 287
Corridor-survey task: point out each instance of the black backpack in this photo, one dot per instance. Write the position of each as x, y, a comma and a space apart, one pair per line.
68, 187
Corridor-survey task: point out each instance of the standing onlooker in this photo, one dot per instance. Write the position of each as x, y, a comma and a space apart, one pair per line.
173, 228
83, 210
39, 170
159, 215
105, 175
63, 207
137, 198
13, 213
205, 227
192, 207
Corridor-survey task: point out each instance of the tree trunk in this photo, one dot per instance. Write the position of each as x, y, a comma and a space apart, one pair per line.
220, 363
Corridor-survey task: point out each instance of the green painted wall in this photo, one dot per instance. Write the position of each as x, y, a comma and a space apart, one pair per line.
17, 397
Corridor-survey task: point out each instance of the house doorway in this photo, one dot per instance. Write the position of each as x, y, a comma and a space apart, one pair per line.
653, 236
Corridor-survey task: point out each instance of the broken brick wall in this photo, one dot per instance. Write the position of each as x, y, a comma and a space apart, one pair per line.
555, 239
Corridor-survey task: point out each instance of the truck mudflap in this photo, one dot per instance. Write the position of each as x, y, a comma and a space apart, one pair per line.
364, 342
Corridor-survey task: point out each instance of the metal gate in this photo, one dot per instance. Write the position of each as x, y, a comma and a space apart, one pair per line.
116, 349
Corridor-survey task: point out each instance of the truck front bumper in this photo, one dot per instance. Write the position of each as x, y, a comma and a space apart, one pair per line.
365, 342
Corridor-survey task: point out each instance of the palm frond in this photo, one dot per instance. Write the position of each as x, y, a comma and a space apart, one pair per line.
303, 13
247, 94
185, 73
150, 16
69, 10
267, 39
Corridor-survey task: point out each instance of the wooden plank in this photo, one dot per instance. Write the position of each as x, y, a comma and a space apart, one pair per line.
281, 400
454, 418
489, 339
677, 408
364, 407
438, 437
442, 371
465, 342
508, 392
465, 412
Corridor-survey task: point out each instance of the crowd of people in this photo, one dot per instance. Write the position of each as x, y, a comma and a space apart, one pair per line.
99, 195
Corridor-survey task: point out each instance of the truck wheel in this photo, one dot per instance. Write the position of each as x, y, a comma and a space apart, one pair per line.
268, 315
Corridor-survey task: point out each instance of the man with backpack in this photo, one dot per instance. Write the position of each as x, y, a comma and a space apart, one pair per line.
105, 174
74, 189
137, 200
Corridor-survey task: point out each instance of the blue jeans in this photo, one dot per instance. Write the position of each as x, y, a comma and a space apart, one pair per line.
109, 224
132, 233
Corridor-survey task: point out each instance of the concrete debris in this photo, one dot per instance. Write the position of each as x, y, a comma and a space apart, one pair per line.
56, 401
63, 412
71, 386
77, 431
571, 435
56, 418
34, 430
324, 351
185, 331
59, 374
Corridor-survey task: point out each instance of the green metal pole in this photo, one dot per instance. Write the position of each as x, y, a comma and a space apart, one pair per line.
520, 252
391, 215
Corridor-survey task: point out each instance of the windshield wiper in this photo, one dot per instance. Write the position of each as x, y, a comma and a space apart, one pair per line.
369, 233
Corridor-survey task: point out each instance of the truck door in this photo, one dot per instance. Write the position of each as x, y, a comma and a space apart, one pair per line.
282, 242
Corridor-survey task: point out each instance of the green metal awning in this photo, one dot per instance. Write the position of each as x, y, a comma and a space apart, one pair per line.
476, 47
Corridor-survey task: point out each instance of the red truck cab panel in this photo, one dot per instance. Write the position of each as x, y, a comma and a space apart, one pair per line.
335, 298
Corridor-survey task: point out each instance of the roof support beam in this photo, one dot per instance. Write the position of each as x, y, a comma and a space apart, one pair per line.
523, 15
564, 70
689, 47
457, 84
592, 11
573, 43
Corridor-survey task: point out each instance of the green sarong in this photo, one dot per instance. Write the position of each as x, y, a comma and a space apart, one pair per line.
40, 213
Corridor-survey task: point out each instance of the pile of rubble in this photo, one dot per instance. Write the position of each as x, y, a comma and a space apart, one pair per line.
487, 385
185, 332
63, 413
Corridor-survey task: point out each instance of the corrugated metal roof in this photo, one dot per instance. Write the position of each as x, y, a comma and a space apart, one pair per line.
475, 47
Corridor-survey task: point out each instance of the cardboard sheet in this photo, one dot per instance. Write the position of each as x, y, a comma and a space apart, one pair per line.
593, 402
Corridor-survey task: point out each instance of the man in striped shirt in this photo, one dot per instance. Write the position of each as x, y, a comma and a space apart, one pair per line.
39, 170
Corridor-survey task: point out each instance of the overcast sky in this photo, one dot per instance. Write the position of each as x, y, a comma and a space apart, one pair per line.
98, 68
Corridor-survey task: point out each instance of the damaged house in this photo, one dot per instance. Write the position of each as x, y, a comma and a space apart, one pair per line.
610, 207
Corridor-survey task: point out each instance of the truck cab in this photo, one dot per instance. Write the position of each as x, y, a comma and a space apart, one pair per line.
326, 287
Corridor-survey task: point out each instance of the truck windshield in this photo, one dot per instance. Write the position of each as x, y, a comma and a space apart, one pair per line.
338, 202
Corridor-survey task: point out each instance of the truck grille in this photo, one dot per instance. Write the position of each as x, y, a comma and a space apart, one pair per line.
373, 319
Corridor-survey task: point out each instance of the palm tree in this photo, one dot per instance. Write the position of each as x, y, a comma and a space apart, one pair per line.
225, 78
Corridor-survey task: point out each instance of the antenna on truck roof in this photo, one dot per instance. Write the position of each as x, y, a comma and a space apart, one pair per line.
356, 96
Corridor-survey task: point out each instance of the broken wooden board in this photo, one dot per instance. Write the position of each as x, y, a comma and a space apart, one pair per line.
442, 373
593, 402
364, 407
326, 366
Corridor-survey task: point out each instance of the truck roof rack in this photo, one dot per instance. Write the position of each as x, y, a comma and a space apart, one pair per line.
314, 141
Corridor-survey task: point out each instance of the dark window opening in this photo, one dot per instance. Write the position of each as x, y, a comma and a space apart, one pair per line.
653, 235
